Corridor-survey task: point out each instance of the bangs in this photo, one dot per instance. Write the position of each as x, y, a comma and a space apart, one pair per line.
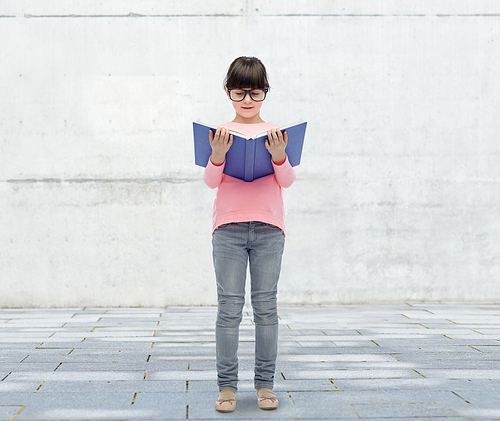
248, 79
247, 72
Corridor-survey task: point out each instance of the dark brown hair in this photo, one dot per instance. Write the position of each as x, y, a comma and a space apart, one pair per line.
246, 72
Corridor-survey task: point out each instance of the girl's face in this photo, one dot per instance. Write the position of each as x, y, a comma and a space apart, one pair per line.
247, 111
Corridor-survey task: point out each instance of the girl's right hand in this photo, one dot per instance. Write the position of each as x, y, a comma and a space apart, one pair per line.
220, 143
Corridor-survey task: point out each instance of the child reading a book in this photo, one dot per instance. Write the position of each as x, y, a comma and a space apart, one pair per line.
248, 227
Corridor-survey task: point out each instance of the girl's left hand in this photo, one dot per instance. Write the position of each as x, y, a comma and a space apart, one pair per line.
276, 143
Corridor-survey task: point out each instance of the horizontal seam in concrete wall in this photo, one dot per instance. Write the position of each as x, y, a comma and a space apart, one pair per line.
305, 15
133, 15
101, 180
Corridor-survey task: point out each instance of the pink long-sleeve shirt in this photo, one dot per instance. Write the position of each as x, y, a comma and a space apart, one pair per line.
241, 201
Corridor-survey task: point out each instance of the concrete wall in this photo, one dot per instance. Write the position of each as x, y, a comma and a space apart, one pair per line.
397, 197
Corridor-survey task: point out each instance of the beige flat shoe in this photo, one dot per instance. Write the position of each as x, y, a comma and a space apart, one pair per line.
267, 399
226, 401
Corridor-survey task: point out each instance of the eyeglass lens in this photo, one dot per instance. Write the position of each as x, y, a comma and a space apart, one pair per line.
240, 94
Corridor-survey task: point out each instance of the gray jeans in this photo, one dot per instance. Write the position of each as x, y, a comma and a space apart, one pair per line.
234, 245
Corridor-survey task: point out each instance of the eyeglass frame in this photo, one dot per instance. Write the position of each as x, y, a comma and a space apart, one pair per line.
247, 92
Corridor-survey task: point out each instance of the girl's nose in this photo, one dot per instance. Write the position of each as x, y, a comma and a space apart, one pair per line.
247, 98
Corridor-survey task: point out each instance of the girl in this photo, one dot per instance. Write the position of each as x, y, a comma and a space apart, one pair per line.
248, 226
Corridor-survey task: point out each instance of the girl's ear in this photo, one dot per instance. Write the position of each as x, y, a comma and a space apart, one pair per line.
225, 89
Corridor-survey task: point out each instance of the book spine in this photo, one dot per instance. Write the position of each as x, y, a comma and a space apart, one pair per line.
249, 159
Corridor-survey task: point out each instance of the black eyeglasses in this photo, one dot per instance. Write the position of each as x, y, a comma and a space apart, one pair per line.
238, 95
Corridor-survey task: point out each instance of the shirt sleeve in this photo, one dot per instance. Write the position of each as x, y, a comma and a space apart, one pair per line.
212, 176
284, 173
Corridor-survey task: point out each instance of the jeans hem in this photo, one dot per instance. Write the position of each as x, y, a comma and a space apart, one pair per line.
234, 389
260, 385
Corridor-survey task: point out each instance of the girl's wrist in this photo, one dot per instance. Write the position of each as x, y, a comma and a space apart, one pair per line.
279, 159
217, 160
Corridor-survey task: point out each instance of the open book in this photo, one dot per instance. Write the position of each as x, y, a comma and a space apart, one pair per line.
248, 158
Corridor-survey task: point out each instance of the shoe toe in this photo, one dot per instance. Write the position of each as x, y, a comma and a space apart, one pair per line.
226, 401
267, 399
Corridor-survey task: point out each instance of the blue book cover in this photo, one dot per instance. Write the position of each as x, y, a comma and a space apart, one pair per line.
248, 158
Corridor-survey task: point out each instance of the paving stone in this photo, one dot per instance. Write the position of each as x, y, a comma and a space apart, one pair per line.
210, 386
76, 376
341, 365
466, 364
460, 374
338, 358
483, 414
102, 367
188, 375
409, 410
481, 396
203, 348
395, 383
10, 412
89, 344
20, 340
39, 367
18, 386
87, 357
384, 396
495, 349
13, 356
349, 374
109, 407
474, 384
98, 386
304, 385
418, 418
169, 406
195, 365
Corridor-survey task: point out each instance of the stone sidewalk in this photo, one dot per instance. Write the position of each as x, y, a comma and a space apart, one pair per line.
396, 362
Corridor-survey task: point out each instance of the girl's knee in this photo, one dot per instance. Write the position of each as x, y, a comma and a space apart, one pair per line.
229, 311
265, 313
